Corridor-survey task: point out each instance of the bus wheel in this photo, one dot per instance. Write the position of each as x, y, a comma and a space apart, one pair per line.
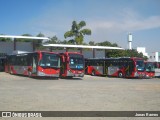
120, 74
29, 73
93, 73
11, 72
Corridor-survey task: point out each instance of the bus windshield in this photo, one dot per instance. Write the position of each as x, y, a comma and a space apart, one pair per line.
140, 65
149, 67
49, 60
76, 61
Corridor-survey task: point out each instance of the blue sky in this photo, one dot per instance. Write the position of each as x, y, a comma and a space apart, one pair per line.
109, 20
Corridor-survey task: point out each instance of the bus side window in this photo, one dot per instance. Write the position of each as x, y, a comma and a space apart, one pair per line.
17, 61
25, 61
97, 64
156, 65
21, 61
12, 60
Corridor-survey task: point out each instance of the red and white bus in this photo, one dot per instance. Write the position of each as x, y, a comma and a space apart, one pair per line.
72, 64
34, 64
149, 69
117, 67
157, 69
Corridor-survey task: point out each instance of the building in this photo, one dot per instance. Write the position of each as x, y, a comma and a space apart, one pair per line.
154, 57
8, 47
130, 41
142, 50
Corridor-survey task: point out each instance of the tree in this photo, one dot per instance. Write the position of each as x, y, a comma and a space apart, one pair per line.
120, 53
105, 43
77, 32
53, 40
124, 53
5, 39
24, 39
40, 35
38, 42
114, 45
91, 43
133, 53
145, 58
114, 53
64, 42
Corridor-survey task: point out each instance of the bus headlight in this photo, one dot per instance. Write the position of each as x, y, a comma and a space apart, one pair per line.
41, 73
136, 74
79, 72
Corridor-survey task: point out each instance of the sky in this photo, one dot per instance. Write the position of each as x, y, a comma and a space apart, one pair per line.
109, 20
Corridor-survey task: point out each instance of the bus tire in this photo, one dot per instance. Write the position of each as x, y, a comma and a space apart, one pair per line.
11, 72
120, 74
93, 73
70, 77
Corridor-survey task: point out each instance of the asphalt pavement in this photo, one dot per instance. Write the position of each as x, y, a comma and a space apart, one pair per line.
91, 93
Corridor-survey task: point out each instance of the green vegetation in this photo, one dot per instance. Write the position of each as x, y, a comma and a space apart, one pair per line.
5, 39
120, 53
77, 32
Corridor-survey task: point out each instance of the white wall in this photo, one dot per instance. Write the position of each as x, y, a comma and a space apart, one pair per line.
8, 47
142, 50
155, 57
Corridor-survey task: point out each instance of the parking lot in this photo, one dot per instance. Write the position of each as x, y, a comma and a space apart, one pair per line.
91, 93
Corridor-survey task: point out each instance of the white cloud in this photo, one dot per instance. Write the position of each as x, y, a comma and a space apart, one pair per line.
113, 28
149, 23
117, 28
126, 24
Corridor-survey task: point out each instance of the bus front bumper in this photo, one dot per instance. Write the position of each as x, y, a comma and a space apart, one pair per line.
139, 75
69, 73
47, 75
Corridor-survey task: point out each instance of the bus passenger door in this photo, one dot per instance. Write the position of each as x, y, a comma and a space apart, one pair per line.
129, 68
34, 64
63, 65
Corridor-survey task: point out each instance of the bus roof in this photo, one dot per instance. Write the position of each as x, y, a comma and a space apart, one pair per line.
116, 58
82, 46
26, 37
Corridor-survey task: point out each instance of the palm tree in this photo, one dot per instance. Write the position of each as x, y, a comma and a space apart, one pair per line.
77, 32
